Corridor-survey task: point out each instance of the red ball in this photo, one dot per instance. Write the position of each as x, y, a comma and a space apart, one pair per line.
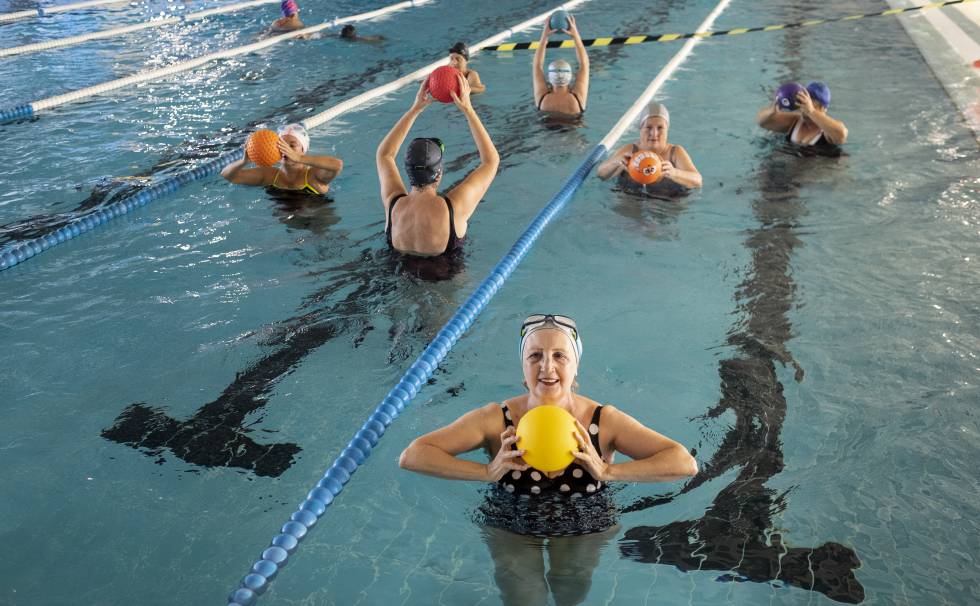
443, 81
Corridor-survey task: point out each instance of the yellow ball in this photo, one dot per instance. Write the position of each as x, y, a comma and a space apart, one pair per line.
545, 432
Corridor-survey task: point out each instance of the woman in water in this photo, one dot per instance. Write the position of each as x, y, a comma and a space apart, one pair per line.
418, 221
809, 125
290, 17
459, 56
298, 172
562, 96
530, 511
678, 173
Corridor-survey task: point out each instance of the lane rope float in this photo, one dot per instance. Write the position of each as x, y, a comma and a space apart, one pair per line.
28, 110
13, 254
357, 451
42, 11
126, 29
642, 39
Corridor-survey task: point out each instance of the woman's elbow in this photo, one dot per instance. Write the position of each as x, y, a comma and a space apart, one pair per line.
843, 136
689, 464
410, 456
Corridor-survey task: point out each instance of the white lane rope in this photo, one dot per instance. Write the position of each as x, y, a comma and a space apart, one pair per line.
629, 118
156, 74
41, 11
126, 29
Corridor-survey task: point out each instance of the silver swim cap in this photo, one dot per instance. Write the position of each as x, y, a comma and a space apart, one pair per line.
655, 110
560, 73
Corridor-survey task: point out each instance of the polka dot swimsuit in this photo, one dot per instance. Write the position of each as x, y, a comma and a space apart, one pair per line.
575, 481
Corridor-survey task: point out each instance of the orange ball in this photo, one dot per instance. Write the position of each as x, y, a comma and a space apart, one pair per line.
442, 82
262, 148
644, 167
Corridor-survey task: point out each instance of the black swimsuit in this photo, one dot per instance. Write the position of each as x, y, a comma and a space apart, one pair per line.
664, 188
581, 110
455, 243
530, 503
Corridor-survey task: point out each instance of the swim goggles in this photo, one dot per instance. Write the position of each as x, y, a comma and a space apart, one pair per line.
565, 324
536, 319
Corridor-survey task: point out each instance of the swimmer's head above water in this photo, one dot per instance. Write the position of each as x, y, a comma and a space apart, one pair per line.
559, 73
295, 135
820, 93
654, 124
348, 31
563, 324
459, 55
423, 161
288, 8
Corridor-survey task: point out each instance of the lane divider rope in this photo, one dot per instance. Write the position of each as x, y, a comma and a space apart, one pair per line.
118, 31
42, 11
357, 451
510, 46
13, 254
28, 110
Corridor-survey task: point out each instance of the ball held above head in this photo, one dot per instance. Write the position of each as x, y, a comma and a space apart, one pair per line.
443, 82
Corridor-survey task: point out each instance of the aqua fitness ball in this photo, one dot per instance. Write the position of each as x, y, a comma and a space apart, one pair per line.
558, 20
786, 95
443, 81
546, 434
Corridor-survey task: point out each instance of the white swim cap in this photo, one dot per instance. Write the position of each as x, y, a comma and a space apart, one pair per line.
299, 132
655, 110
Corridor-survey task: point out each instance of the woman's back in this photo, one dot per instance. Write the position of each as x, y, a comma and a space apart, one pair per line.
419, 224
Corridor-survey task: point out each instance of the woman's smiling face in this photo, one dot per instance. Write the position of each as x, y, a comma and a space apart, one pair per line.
549, 365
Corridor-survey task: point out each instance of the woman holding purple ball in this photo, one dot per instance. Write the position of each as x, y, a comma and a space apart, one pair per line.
801, 113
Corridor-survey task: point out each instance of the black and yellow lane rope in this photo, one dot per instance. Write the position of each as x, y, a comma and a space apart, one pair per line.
510, 46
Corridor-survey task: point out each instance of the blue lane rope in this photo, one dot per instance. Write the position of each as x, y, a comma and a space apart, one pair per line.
13, 114
12, 254
359, 448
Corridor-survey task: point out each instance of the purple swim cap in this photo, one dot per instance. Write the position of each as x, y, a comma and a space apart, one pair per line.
786, 96
819, 92
288, 8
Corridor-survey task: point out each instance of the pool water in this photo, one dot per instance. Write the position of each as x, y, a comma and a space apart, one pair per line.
173, 383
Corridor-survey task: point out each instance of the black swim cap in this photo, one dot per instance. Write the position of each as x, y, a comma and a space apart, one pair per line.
460, 49
423, 161
348, 31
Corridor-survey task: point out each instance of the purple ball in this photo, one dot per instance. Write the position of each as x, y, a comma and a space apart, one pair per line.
786, 96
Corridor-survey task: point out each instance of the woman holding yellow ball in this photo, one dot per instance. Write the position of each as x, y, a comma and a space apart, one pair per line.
558, 501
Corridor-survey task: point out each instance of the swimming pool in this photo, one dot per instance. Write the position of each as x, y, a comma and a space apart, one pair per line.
224, 322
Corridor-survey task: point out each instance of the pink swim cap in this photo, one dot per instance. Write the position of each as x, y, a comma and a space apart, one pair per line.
288, 8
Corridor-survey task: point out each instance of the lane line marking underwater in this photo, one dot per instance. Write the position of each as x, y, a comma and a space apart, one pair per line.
13, 254
42, 11
28, 110
310, 510
126, 29
641, 39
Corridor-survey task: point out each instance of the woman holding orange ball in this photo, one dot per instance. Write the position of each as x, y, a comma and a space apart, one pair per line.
677, 172
557, 505
298, 171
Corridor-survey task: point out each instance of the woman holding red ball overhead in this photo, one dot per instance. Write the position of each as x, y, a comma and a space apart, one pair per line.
418, 221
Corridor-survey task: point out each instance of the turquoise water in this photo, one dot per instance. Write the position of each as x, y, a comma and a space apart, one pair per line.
253, 324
